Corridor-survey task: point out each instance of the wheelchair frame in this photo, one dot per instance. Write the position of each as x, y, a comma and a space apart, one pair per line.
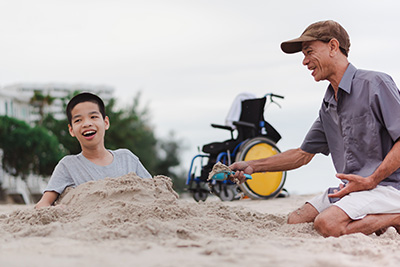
252, 129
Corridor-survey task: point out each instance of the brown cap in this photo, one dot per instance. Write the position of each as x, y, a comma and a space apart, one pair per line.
322, 31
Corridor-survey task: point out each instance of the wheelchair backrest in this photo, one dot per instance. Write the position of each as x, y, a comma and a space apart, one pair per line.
253, 110
253, 113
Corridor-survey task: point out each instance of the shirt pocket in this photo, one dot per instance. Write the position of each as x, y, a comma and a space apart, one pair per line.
362, 136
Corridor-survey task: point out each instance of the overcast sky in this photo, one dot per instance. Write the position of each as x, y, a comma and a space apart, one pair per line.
191, 58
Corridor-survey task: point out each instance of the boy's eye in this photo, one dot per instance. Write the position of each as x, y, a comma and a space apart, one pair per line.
78, 120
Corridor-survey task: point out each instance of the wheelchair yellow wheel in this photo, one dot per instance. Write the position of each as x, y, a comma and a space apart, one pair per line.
262, 185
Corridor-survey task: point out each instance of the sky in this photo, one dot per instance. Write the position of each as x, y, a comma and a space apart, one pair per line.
189, 59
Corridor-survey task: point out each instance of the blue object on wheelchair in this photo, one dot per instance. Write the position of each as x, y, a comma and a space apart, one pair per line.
221, 176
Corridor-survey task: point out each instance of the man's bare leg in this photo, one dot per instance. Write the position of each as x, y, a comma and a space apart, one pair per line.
304, 214
335, 222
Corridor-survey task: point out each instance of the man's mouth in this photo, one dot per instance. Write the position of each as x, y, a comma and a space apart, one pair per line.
312, 70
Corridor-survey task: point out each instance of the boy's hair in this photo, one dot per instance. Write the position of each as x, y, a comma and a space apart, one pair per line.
85, 97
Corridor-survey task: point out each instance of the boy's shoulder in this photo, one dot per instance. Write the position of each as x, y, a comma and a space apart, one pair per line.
123, 152
68, 159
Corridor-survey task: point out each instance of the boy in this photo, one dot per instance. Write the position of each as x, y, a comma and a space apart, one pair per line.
88, 123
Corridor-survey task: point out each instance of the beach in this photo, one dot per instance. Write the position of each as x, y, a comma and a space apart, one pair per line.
129, 221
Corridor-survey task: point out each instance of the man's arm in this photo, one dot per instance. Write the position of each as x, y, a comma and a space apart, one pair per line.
358, 183
47, 199
288, 160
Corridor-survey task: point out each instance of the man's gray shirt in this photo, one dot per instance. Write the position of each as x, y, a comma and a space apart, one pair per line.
360, 128
74, 170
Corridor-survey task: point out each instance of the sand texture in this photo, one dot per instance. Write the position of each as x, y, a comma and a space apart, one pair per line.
129, 221
218, 167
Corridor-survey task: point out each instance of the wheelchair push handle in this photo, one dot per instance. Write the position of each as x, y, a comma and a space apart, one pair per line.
278, 96
221, 176
271, 96
274, 95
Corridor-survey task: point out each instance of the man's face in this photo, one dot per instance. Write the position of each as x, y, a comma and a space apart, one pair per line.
88, 125
317, 59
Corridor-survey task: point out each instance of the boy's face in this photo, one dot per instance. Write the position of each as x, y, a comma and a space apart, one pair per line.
88, 125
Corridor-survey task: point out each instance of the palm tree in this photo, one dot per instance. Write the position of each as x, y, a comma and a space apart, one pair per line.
39, 101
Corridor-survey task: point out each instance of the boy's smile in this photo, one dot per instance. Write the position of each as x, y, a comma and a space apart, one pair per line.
89, 134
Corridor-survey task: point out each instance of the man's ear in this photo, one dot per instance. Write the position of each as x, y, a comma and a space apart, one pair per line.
71, 132
107, 122
333, 45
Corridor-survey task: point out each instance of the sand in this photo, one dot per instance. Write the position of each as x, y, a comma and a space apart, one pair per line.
130, 221
218, 167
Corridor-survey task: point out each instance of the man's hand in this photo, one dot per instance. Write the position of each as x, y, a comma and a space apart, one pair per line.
355, 183
240, 168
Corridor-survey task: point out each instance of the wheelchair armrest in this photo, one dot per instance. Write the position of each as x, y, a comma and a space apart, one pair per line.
244, 124
222, 127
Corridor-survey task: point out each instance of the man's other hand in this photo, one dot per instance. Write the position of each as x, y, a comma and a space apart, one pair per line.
355, 183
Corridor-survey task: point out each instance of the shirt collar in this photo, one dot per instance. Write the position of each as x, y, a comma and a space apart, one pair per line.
345, 84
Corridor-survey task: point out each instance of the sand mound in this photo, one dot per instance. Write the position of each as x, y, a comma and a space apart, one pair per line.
131, 207
137, 221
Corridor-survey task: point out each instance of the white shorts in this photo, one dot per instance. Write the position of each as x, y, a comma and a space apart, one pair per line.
382, 199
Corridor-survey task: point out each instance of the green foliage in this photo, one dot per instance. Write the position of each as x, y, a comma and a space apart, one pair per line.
168, 155
129, 128
168, 158
59, 128
39, 101
27, 149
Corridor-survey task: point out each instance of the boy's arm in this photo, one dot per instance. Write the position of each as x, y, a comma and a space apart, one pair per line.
47, 199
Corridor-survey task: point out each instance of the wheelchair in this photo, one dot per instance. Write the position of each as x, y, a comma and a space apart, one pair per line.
255, 139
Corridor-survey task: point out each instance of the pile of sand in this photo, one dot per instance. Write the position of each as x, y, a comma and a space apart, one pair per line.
131, 207
133, 221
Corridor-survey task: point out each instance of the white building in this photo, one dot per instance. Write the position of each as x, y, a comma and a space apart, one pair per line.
14, 105
58, 91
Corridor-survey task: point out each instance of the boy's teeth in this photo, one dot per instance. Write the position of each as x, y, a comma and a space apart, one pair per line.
89, 132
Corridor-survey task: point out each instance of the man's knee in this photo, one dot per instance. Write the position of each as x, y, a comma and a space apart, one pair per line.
305, 214
323, 225
331, 222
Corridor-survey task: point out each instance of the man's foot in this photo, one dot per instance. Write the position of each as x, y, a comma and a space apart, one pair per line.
397, 227
382, 231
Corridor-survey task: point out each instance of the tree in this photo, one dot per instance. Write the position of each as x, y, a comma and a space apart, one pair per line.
130, 128
46, 150
59, 128
168, 160
39, 101
27, 149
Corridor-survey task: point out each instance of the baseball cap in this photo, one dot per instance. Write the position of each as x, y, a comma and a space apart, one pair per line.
322, 31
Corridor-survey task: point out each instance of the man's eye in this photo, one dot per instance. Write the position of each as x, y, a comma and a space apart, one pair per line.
75, 121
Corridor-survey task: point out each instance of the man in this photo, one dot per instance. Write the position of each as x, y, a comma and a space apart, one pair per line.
359, 125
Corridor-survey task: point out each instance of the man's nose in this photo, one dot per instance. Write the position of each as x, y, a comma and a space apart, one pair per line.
305, 61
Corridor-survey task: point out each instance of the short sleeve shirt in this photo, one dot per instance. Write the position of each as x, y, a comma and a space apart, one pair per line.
361, 127
74, 170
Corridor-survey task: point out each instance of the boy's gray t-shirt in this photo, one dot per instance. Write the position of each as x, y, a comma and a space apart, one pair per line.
74, 170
